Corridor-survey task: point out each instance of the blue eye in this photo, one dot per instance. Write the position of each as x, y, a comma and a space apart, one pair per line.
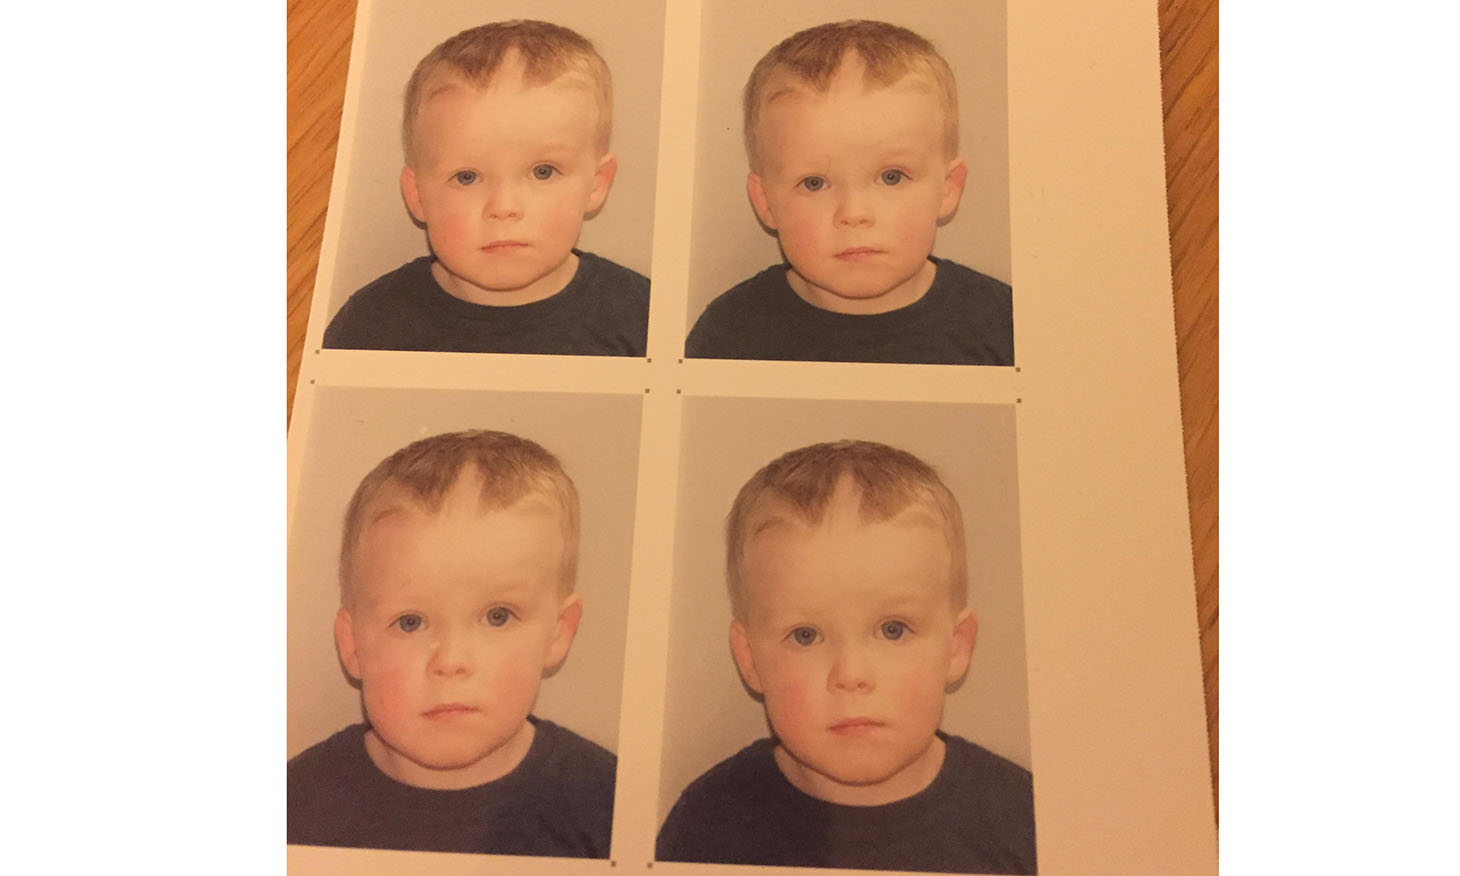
464, 177
893, 629
893, 177
804, 636
544, 171
409, 623
498, 616
813, 183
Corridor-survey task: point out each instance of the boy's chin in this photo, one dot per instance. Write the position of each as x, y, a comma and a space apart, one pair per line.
516, 280
860, 778
858, 291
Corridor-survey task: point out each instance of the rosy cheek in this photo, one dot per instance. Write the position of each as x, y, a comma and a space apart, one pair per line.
562, 222
393, 667
792, 702
449, 233
920, 694
798, 235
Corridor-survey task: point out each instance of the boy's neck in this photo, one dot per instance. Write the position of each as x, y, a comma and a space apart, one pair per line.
911, 779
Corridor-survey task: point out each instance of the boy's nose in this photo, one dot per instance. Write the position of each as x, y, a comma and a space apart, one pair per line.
504, 201
449, 655
851, 670
854, 209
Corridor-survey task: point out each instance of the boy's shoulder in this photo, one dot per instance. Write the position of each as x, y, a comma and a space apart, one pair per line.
993, 784
328, 784
340, 755
751, 773
736, 322
604, 310
969, 285
558, 801
723, 810
605, 274
979, 812
965, 318
612, 286
582, 766
391, 312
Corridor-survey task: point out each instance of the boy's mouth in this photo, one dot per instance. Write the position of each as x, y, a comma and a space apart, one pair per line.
857, 253
500, 246
448, 710
855, 725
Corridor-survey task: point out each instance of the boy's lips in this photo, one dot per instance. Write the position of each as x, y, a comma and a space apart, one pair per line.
855, 725
500, 246
858, 253
448, 710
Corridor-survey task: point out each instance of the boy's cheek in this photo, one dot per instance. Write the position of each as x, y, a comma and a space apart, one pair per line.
386, 694
447, 232
788, 701
565, 227
518, 688
921, 694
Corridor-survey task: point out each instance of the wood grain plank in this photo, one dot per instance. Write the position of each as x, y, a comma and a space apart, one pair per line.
1189, 98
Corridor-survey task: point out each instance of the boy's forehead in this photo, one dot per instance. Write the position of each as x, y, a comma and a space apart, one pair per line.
775, 520
856, 114
791, 562
504, 80
510, 73
849, 80
452, 104
779, 536
395, 504
400, 530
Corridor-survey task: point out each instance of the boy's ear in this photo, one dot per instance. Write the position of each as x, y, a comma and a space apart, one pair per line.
965, 633
602, 182
756, 189
740, 647
569, 614
952, 188
412, 195
345, 642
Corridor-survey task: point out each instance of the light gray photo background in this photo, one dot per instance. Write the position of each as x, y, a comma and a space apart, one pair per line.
728, 243
709, 715
596, 437
377, 234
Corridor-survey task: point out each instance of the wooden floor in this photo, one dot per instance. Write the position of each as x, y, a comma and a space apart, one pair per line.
319, 51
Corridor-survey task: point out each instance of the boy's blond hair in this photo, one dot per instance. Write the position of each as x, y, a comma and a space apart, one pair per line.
473, 56
887, 481
810, 58
510, 468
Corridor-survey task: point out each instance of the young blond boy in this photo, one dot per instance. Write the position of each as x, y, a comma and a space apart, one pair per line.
847, 578
851, 130
506, 136
456, 587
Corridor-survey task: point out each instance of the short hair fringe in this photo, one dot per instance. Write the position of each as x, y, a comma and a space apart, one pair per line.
887, 479
510, 467
547, 50
814, 55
